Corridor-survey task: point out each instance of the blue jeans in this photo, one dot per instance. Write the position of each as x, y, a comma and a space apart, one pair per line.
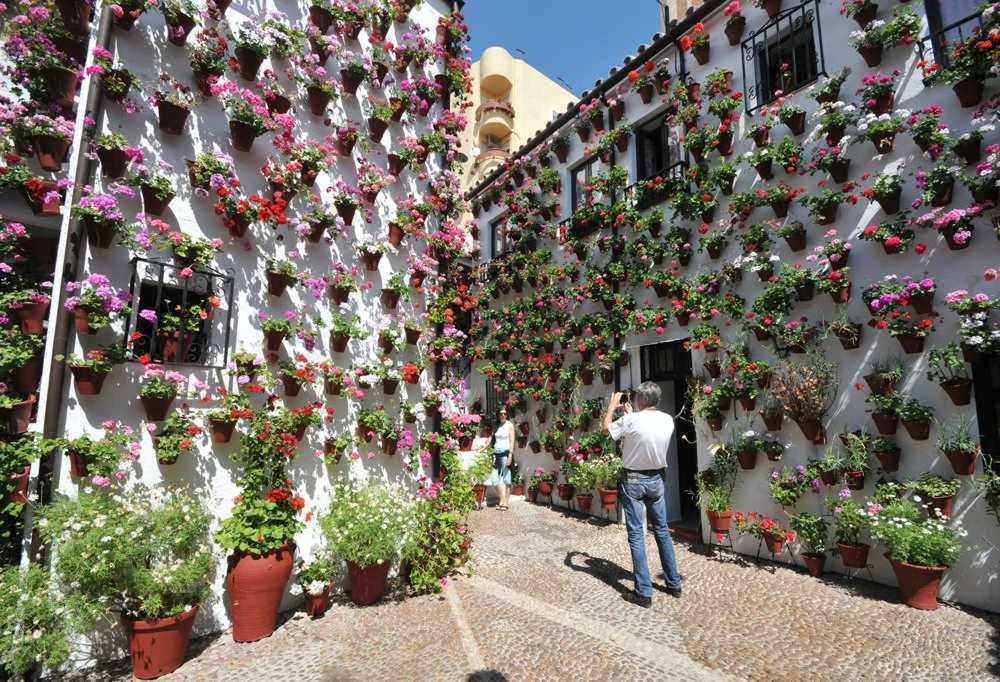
640, 490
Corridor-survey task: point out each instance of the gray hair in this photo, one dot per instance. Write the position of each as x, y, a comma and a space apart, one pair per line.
647, 395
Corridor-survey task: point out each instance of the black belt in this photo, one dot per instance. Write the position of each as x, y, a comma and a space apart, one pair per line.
646, 472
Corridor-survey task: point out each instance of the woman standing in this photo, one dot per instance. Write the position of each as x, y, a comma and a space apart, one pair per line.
503, 457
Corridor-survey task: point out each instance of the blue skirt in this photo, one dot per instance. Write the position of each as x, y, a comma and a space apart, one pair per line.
501, 472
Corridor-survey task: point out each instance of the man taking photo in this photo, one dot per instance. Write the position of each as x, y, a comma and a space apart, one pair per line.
646, 435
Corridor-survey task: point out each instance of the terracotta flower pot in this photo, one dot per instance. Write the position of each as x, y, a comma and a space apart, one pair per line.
609, 497
249, 62
969, 92
872, 54
367, 582
774, 543
918, 430
886, 423
583, 502
321, 18
350, 81
50, 151
959, 391
113, 162
277, 282
764, 170
720, 522
853, 556
855, 479
390, 298
969, 150
179, 29
278, 104
172, 117
544, 488
19, 493
646, 93
918, 585
532, 494
911, 343
241, 136
291, 385
889, 460
27, 376
772, 422
566, 491
87, 381
157, 645
734, 30
222, 429
255, 585
963, 463
814, 563
156, 408
884, 142
376, 129
747, 459
315, 604
715, 423
796, 123
273, 341
839, 170
152, 203
811, 429
702, 53
18, 416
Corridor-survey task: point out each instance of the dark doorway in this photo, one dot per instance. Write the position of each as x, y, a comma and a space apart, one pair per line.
669, 366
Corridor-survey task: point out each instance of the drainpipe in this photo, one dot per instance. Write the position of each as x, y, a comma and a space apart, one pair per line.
68, 254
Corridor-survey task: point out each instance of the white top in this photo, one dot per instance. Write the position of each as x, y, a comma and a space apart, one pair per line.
502, 437
648, 434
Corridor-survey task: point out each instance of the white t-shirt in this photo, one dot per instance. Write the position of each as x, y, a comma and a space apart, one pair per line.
647, 436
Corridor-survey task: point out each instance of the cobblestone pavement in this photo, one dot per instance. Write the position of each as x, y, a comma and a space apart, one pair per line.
541, 602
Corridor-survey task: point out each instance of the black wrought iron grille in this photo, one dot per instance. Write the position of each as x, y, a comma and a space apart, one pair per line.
941, 37
783, 55
159, 287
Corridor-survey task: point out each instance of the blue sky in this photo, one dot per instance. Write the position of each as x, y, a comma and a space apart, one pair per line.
576, 40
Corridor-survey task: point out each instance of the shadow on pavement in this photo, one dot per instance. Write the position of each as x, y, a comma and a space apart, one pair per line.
486, 676
608, 572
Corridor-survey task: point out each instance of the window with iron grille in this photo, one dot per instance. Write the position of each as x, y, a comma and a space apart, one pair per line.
657, 148
579, 177
782, 56
498, 236
180, 319
949, 22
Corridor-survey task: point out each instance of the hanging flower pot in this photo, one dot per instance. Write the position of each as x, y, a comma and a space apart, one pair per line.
814, 563
773, 421
734, 29
969, 92
412, 335
811, 429
255, 585
87, 381
292, 385
152, 203
943, 196
701, 53
350, 80
855, 479
340, 294
389, 444
887, 423
277, 282
918, 430
249, 62
764, 170
390, 298
376, 129
884, 142
179, 27
222, 429
156, 408
890, 203
797, 123
319, 99
646, 93
60, 83
242, 135
172, 117
880, 384
157, 645
75, 15
918, 585
829, 477
19, 492
969, 150
18, 415
566, 491
50, 151
747, 459
872, 54
761, 136
774, 543
889, 460
959, 390
321, 18
715, 423
277, 104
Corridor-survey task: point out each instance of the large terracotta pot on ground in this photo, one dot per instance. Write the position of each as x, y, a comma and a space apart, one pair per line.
853, 556
367, 582
918, 585
255, 585
157, 646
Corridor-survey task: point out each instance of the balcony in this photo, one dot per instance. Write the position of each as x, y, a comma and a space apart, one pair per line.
495, 117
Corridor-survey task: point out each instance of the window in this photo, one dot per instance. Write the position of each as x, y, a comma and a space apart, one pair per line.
986, 378
949, 21
783, 55
657, 148
579, 177
198, 305
498, 236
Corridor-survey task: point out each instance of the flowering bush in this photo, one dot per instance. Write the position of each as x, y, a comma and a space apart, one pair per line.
34, 624
368, 523
913, 537
141, 553
760, 526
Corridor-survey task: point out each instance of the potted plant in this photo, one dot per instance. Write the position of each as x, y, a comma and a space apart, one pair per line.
50, 138
20, 358
916, 418
111, 150
143, 531
735, 22
920, 549
175, 437
342, 330
850, 521
208, 57
276, 329
280, 273
806, 391
793, 116
313, 580
223, 419
788, 485
16, 457
958, 439
368, 525
173, 101
103, 218
26, 597
938, 493
811, 531
883, 375
969, 65
770, 531
714, 490
946, 367
90, 371
828, 89
881, 130
697, 41
95, 303
247, 113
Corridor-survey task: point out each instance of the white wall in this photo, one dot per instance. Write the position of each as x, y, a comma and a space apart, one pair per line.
973, 579
210, 471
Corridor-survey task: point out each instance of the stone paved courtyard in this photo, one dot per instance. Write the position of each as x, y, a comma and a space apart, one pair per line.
541, 602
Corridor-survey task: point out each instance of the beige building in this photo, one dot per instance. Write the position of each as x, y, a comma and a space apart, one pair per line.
671, 10
511, 101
